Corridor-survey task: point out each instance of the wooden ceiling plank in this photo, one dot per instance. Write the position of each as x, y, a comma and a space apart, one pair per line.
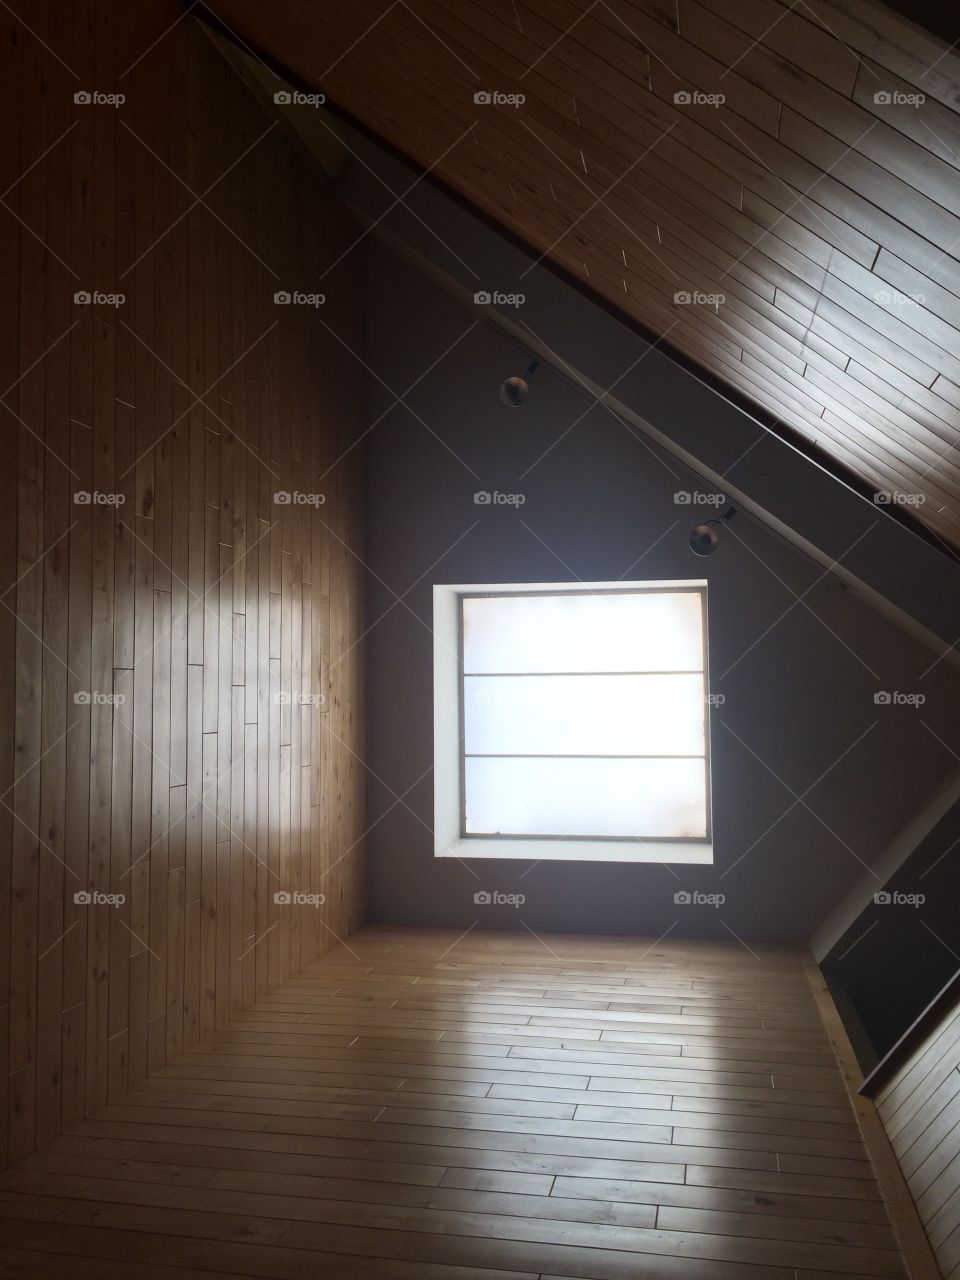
724, 149
948, 390
580, 63
903, 367
776, 276
874, 185
930, 125
892, 41
921, 404
905, 329
915, 284
688, 67
912, 456
790, 32
886, 423
740, 248
870, 133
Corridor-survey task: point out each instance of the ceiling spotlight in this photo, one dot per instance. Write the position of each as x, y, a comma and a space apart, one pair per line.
514, 391
705, 538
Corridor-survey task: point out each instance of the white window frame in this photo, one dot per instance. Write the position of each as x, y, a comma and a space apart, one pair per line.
449, 839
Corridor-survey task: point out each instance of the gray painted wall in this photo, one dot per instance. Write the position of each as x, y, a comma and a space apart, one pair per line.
799, 677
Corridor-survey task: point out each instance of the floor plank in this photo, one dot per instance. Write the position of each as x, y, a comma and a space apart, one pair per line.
485, 1109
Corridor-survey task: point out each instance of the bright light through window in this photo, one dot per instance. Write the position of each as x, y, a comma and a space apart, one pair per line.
580, 719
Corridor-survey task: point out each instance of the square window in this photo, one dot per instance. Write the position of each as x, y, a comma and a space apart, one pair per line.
570, 722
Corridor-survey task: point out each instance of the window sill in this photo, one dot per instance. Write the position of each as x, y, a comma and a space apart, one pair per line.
693, 852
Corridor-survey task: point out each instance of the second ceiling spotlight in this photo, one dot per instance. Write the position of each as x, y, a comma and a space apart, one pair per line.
513, 391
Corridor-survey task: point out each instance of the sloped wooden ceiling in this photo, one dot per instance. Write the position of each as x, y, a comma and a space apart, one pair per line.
773, 189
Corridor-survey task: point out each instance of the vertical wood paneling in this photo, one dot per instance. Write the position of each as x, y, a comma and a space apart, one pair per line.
161, 648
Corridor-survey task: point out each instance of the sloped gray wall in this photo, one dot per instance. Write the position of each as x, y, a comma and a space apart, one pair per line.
810, 776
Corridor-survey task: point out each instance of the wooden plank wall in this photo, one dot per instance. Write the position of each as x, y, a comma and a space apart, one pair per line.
769, 186
164, 650
920, 1109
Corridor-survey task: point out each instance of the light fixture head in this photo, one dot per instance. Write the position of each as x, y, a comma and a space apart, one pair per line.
514, 391
705, 538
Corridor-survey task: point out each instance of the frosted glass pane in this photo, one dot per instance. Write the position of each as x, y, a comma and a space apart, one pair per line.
628, 631
627, 798
584, 715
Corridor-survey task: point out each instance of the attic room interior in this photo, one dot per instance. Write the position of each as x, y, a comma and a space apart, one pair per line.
480, 568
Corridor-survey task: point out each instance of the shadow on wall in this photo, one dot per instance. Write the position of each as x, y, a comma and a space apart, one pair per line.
812, 768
